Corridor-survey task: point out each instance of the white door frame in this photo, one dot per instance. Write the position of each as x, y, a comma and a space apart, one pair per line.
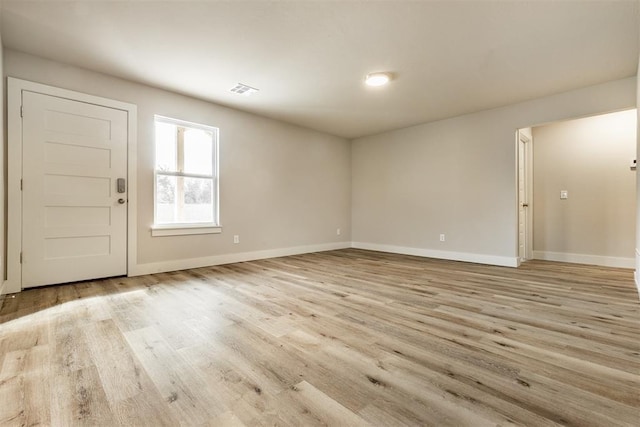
524, 145
15, 87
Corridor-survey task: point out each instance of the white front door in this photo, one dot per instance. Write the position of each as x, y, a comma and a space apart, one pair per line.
74, 216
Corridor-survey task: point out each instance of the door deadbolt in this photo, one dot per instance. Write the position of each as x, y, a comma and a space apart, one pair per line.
121, 201
120, 185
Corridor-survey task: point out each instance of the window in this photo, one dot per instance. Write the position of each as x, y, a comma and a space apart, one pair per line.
186, 181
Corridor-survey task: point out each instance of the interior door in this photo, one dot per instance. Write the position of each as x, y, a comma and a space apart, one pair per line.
524, 209
74, 214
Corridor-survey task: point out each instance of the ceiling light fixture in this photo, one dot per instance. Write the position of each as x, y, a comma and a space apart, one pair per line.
377, 79
242, 89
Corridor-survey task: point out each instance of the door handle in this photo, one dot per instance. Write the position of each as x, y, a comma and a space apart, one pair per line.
121, 201
525, 205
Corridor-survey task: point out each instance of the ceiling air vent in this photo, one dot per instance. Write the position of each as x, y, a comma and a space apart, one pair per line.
242, 89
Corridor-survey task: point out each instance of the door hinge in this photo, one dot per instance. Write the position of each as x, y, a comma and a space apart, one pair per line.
21, 184
21, 111
20, 257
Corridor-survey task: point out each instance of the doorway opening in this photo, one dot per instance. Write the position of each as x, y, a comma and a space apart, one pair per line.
577, 190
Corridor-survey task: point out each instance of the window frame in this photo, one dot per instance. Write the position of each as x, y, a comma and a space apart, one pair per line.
187, 228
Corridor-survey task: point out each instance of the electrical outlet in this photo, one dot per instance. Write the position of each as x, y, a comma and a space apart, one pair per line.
236, 239
564, 194
442, 237
338, 232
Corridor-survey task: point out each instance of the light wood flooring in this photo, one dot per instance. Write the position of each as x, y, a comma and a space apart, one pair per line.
338, 338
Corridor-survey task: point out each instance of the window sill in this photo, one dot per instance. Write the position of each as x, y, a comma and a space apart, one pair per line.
184, 229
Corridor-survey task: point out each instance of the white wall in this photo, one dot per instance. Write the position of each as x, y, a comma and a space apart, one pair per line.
637, 275
283, 188
457, 177
286, 187
589, 158
2, 172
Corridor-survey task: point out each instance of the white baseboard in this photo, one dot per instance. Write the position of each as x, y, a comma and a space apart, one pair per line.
184, 264
605, 261
430, 253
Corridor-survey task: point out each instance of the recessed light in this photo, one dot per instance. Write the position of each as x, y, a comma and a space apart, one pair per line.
242, 89
377, 79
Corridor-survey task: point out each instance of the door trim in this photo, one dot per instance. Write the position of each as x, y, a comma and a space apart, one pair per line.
15, 87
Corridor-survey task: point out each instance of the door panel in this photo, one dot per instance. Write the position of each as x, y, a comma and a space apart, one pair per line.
73, 226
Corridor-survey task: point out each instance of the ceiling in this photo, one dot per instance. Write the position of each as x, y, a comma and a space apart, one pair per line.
309, 58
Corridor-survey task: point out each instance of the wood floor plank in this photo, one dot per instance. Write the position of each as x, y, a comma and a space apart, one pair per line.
12, 410
77, 398
37, 386
130, 392
190, 399
323, 409
347, 337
